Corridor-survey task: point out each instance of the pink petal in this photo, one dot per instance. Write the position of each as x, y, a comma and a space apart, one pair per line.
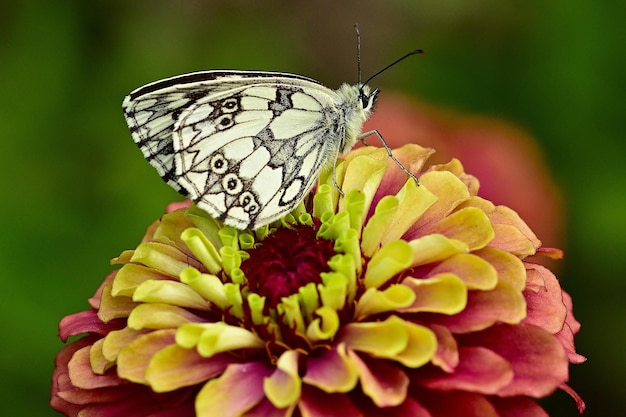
566, 335
447, 356
545, 306
82, 376
384, 383
485, 308
317, 403
332, 371
266, 409
85, 322
518, 407
537, 358
410, 407
479, 370
456, 404
237, 390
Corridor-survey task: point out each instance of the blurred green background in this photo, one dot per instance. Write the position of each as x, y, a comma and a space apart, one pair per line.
77, 191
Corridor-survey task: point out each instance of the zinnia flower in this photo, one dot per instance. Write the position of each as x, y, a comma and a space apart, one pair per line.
388, 298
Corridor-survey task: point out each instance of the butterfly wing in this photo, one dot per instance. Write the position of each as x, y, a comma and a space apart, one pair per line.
248, 155
244, 145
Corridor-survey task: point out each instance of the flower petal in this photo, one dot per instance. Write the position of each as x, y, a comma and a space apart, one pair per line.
332, 371
476, 273
503, 304
433, 248
213, 338
537, 358
170, 292
408, 343
133, 360
413, 202
160, 316
479, 370
374, 301
130, 276
174, 367
283, 387
443, 293
384, 383
316, 403
389, 260
161, 257
237, 390
545, 305
203, 249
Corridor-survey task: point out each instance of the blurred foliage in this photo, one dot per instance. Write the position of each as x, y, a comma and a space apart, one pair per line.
77, 191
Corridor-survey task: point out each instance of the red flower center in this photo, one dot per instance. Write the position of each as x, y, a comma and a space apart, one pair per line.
287, 260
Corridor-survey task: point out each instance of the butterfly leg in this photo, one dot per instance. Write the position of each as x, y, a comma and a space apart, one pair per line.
335, 176
364, 142
362, 136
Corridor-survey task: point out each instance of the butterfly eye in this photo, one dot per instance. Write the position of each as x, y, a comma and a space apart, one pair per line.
364, 99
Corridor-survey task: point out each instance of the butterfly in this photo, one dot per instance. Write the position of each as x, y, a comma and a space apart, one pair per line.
246, 146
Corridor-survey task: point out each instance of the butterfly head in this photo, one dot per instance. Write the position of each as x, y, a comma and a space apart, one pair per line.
368, 98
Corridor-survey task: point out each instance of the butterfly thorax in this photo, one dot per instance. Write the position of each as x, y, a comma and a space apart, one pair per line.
357, 104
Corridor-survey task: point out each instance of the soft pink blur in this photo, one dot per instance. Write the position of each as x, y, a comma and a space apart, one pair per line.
506, 160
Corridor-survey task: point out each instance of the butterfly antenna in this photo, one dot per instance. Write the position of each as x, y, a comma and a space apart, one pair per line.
358, 52
416, 52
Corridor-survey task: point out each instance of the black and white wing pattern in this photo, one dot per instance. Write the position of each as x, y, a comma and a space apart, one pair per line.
244, 146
